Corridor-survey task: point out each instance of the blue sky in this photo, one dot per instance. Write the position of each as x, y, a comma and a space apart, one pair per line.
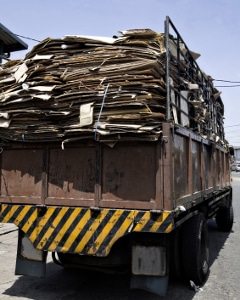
209, 27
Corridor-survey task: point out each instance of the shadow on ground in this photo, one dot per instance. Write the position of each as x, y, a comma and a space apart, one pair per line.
77, 284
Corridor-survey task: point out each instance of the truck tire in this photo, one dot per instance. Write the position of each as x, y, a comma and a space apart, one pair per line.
59, 258
224, 218
195, 251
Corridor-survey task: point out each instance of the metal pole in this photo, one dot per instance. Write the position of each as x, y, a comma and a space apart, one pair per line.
167, 78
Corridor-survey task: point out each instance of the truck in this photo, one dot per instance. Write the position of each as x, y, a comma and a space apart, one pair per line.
113, 157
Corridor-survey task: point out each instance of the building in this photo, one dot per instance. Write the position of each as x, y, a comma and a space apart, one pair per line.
237, 154
9, 42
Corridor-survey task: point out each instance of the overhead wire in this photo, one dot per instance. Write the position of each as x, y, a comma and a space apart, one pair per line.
233, 125
228, 86
228, 81
27, 38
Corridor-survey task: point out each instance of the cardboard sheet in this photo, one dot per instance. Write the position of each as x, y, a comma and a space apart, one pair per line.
56, 93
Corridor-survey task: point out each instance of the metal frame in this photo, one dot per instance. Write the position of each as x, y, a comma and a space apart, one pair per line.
193, 74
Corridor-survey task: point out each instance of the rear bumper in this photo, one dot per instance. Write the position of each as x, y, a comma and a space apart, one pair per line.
81, 230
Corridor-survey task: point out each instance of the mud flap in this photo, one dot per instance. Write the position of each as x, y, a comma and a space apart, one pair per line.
30, 261
149, 269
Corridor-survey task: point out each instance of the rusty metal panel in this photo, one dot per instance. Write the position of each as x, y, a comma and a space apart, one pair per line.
200, 167
196, 166
217, 174
21, 179
222, 172
207, 154
129, 172
71, 174
181, 148
133, 175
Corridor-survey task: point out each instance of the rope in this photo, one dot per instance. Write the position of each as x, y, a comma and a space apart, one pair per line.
99, 116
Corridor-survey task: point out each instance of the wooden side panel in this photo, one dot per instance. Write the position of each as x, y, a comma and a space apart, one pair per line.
71, 174
181, 149
218, 168
196, 166
208, 165
21, 176
83, 174
129, 173
135, 175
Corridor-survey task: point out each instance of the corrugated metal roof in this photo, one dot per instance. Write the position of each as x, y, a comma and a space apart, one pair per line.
10, 42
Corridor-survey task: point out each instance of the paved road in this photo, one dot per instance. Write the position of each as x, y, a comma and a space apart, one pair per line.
222, 284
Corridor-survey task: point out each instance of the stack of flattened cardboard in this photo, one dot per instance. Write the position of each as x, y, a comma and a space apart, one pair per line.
85, 87
81, 87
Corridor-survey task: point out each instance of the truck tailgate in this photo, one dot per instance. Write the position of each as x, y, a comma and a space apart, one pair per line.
83, 174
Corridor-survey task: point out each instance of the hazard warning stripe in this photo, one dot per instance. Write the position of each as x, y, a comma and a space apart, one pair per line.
61, 229
123, 225
89, 234
70, 241
46, 227
163, 223
79, 230
117, 226
20, 215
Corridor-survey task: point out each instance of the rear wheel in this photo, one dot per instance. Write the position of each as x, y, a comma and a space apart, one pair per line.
224, 218
63, 258
195, 249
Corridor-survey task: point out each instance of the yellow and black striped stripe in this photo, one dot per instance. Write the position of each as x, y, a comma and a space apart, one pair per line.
78, 230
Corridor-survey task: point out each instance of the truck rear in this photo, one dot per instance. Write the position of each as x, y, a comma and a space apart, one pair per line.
113, 157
